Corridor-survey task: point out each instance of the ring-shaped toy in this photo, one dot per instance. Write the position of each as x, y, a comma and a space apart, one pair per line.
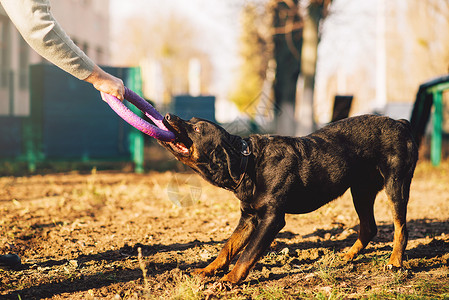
160, 132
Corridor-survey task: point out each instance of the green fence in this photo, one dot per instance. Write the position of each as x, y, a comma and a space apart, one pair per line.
430, 94
68, 121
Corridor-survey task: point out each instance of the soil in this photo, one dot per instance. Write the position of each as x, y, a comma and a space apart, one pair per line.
79, 236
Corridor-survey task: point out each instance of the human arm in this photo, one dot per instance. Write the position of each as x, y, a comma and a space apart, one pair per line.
43, 33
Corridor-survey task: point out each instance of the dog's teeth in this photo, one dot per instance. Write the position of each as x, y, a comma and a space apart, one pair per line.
182, 148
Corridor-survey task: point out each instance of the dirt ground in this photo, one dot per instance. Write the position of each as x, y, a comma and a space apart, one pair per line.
79, 234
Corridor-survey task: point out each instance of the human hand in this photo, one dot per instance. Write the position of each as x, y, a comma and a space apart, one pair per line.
105, 82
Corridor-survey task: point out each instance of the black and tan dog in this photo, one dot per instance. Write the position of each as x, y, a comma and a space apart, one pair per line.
276, 175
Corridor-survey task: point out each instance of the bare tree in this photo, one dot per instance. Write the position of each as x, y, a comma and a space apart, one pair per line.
317, 10
296, 39
287, 39
255, 52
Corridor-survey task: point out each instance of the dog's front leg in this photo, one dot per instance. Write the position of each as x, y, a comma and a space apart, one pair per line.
236, 242
265, 232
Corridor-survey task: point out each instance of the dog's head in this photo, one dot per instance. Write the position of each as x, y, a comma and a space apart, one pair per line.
207, 148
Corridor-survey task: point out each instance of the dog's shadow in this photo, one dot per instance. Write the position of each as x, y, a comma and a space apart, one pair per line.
417, 228
426, 229
106, 278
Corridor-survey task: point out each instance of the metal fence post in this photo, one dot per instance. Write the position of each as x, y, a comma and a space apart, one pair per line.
436, 141
136, 137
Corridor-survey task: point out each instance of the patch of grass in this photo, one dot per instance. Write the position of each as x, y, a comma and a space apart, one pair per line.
260, 292
13, 168
187, 288
328, 268
335, 294
91, 194
379, 262
400, 296
400, 286
143, 267
432, 289
271, 293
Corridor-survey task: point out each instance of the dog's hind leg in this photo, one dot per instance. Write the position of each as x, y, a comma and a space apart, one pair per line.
364, 204
363, 196
398, 193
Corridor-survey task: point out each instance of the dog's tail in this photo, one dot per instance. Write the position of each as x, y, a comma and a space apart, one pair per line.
412, 149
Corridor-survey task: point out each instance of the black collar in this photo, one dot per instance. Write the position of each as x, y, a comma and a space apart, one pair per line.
246, 152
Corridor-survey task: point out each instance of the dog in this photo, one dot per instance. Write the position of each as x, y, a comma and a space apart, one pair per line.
277, 175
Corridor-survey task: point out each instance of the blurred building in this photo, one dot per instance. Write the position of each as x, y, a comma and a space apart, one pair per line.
85, 21
380, 51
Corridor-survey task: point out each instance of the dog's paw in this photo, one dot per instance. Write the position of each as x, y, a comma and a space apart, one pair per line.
223, 285
391, 267
230, 280
403, 272
347, 256
202, 272
213, 290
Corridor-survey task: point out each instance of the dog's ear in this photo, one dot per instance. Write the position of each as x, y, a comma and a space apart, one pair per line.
233, 156
224, 162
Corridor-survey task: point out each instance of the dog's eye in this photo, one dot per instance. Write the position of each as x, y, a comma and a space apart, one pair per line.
196, 128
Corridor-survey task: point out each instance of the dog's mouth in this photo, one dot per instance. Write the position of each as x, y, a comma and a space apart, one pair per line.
179, 148
182, 143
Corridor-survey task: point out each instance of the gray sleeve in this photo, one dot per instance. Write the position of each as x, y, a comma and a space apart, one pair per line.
42, 32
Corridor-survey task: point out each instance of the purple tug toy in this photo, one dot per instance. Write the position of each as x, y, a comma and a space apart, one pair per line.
160, 132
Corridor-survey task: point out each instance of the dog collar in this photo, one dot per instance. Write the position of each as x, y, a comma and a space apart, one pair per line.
245, 149
246, 152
